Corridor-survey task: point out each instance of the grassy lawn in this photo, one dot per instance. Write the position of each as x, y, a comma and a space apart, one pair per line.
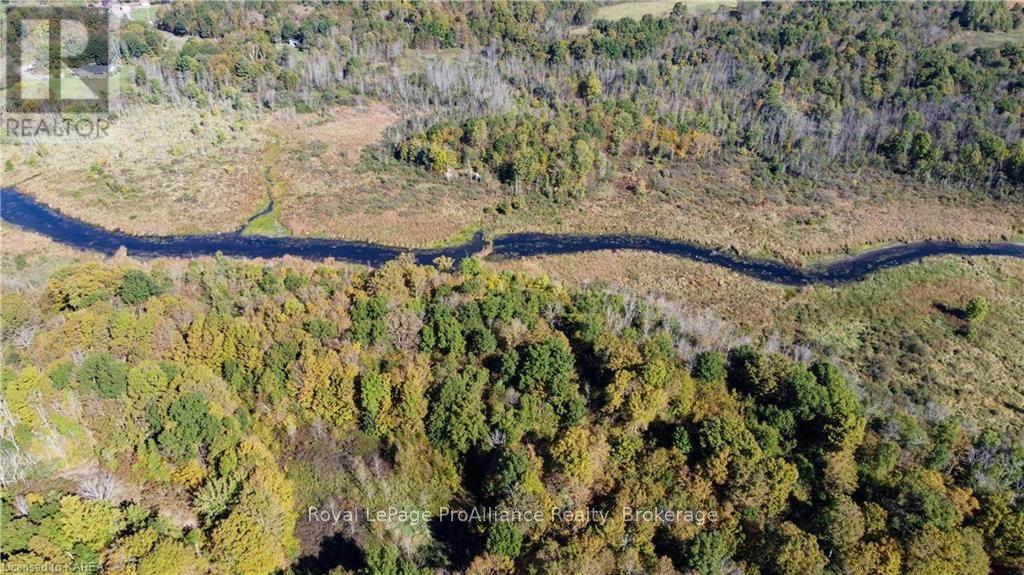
71, 87
144, 14
417, 60
656, 8
980, 39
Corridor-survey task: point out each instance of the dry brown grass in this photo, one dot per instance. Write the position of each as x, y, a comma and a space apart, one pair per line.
323, 193
747, 302
27, 259
719, 206
167, 170
159, 170
722, 207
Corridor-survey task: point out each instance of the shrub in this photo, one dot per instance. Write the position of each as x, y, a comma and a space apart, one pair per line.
976, 309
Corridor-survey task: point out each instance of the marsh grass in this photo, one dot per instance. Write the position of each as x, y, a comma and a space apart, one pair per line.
266, 224
900, 331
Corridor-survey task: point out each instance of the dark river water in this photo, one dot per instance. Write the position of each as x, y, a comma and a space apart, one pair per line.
21, 210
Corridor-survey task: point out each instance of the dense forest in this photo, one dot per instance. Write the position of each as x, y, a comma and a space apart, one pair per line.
223, 417
545, 98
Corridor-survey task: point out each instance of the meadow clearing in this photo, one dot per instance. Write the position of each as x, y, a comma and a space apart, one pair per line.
654, 8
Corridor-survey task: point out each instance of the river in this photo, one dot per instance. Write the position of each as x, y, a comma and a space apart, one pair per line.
25, 212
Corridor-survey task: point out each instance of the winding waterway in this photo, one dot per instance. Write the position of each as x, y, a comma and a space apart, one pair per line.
23, 211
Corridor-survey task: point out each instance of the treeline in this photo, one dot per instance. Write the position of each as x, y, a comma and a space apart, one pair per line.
185, 422
803, 86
